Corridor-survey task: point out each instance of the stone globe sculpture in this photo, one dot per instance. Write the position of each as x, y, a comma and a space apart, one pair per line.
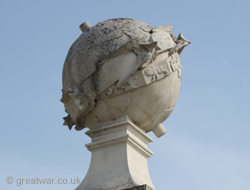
121, 68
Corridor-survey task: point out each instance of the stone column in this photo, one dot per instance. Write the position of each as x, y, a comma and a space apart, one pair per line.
119, 157
141, 187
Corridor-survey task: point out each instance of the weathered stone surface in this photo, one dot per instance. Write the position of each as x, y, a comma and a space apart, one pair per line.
97, 43
122, 67
142, 187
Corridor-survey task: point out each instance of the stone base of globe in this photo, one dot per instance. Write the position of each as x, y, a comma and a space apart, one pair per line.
141, 187
119, 157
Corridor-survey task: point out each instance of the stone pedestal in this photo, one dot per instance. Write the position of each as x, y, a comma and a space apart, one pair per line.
119, 157
141, 187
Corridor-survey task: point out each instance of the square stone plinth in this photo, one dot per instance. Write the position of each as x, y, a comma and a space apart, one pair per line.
141, 187
119, 156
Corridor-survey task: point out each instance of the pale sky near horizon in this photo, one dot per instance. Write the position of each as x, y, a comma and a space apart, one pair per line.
207, 145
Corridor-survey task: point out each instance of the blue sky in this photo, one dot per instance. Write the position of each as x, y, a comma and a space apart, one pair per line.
207, 145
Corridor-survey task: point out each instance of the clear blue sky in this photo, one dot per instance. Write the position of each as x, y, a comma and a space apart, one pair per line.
207, 146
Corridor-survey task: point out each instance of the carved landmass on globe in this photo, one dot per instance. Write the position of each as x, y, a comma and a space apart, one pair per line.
122, 67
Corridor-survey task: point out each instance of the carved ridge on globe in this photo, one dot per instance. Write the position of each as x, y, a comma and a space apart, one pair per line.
121, 67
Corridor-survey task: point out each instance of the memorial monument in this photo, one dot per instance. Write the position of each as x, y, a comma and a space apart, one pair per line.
121, 79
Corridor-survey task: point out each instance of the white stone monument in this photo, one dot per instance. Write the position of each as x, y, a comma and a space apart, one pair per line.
121, 79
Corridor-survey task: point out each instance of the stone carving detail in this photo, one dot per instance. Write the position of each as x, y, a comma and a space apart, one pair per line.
113, 58
146, 54
180, 44
77, 104
164, 68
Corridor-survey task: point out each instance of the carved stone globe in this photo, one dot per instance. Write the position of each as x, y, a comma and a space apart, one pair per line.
122, 67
